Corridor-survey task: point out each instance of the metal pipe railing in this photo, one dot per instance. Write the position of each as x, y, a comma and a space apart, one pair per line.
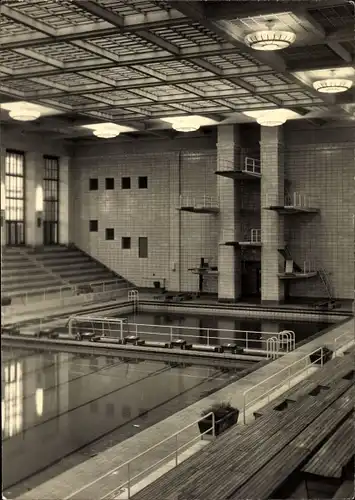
285, 380
130, 479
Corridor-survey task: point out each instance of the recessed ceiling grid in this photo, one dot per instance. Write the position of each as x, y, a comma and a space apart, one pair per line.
171, 68
28, 86
126, 44
188, 35
56, 14
71, 80
63, 52
334, 17
15, 61
217, 86
232, 61
261, 81
10, 28
285, 21
127, 7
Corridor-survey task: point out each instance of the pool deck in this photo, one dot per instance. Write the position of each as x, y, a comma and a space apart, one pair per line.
66, 484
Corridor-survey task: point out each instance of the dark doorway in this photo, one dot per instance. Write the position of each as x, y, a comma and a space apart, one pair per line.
50, 233
15, 234
251, 279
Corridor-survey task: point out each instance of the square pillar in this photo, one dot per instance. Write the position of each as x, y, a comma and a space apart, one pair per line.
272, 224
229, 259
34, 199
63, 229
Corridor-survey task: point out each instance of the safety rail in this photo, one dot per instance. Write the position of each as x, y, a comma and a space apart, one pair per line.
252, 166
209, 336
343, 340
289, 373
309, 266
297, 199
63, 300
205, 201
130, 478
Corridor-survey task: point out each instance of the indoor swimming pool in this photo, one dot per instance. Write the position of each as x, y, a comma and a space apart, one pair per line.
74, 406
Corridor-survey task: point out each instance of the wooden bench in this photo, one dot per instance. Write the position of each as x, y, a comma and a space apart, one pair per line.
238, 456
322, 379
334, 454
278, 470
346, 491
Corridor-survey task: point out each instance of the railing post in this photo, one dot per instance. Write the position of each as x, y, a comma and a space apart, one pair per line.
321, 359
246, 341
176, 451
129, 479
208, 336
244, 408
214, 425
171, 334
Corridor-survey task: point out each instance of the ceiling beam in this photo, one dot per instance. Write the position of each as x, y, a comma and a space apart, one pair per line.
231, 33
241, 9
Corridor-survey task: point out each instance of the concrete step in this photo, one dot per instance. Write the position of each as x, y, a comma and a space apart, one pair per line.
33, 290
5, 273
59, 255
75, 268
60, 262
23, 263
19, 278
33, 284
90, 278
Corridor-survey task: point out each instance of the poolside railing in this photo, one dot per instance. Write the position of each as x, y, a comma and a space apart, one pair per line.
281, 378
248, 340
345, 339
124, 477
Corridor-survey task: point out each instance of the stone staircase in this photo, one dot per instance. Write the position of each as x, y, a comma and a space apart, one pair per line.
22, 276
76, 268
29, 275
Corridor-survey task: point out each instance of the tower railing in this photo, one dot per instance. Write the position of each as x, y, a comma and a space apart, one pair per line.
252, 166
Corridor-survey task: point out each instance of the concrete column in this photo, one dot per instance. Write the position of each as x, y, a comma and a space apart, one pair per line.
174, 272
229, 260
64, 190
34, 198
3, 195
272, 226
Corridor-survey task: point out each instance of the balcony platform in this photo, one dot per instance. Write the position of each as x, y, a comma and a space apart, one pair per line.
204, 271
249, 243
297, 276
291, 210
200, 210
239, 174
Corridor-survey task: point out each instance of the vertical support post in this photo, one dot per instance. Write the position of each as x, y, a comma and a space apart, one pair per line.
214, 423
129, 479
176, 451
229, 257
272, 225
208, 336
171, 334
70, 324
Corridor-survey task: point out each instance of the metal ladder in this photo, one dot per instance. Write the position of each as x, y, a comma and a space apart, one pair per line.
324, 276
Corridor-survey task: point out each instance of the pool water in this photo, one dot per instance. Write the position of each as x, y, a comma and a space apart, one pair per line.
60, 404
216, 329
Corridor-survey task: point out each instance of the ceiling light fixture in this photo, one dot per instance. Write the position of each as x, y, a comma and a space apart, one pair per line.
270, 39
187, 124
272, 118
24, 113
107, 131
333, 85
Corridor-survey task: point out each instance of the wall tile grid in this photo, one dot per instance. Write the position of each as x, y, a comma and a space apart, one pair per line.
176, 239
325, 173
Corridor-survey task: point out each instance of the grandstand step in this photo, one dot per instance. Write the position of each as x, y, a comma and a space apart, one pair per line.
90, 278
38, 285
18, 278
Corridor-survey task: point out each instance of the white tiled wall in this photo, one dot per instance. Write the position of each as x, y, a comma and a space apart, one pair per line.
176, 240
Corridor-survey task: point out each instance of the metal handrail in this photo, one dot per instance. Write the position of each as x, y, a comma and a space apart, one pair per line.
252, 165
129, 462
342, 336
285, 339
287, 369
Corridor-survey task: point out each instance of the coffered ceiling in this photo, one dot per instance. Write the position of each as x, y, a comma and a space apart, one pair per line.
135, 62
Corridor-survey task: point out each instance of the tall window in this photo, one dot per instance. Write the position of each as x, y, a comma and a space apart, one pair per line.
15, 197
50, 200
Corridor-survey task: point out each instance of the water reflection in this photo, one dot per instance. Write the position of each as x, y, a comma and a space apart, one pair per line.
11, 403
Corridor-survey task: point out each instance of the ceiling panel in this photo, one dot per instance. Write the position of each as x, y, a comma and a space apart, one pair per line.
188, 35
15, 61
63, 52
127, 7
124, 44
56, 14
